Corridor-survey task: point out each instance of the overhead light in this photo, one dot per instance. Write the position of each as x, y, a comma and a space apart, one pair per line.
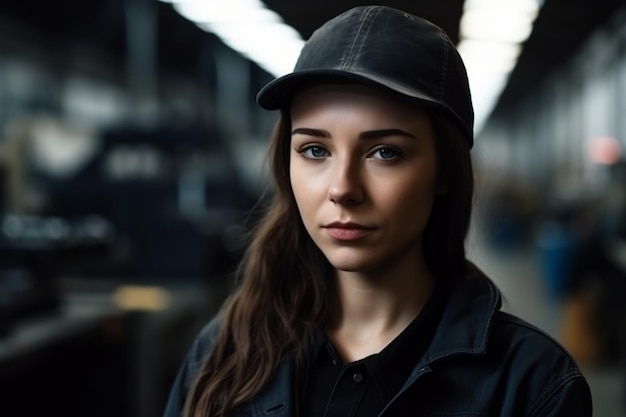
494, 25
248, 27
489, 56
254, 40
240, 12
514, 7
492, 33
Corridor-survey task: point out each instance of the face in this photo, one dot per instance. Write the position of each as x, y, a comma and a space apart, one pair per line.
363, 170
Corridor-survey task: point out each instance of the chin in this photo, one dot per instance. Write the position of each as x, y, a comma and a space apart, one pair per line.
349, 268
358, 258
352, 264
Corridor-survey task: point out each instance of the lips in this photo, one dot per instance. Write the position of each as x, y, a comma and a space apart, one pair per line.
347, 231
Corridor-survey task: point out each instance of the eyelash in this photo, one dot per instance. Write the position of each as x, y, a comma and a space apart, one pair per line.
396, 153
305, 150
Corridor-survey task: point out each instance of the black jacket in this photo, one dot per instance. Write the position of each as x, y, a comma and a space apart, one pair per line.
481, 362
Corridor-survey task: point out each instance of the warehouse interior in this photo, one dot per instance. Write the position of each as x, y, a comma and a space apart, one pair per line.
132, 160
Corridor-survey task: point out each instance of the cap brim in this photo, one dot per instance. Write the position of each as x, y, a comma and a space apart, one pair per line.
278, 93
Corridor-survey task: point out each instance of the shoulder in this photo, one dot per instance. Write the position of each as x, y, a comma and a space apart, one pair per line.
532, 359
188, 371
516, 338
197, 354
522, 370
201, 347
207, 335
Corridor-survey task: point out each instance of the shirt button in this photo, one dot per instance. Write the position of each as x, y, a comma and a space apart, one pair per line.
357, 377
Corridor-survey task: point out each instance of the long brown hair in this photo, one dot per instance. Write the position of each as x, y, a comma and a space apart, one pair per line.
285, 289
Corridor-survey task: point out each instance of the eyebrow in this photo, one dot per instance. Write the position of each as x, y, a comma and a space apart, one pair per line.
377, 134
369, 134
318, 133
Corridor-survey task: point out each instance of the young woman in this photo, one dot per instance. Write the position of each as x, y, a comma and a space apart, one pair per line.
355, 296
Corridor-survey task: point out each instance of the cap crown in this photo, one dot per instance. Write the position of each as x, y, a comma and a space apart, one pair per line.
389, 47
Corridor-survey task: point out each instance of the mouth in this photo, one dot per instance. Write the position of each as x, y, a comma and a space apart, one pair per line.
347, 231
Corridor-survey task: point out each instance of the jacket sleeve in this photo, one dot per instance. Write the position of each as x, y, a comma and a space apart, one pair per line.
190, 367
572, 398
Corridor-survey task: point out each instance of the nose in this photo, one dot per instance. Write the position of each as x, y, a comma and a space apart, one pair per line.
345, 185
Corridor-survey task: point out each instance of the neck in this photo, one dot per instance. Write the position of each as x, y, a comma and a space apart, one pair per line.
374, 307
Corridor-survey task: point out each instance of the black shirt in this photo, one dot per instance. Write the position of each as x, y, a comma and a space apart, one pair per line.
363, 388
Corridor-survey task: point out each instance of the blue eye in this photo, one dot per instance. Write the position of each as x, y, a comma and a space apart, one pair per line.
385, 153
314, 152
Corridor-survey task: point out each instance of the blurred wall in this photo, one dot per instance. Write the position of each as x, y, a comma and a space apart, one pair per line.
547, 140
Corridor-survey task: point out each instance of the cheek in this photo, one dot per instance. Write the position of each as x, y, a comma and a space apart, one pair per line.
302, 187
411, 200
309, 181
416, 205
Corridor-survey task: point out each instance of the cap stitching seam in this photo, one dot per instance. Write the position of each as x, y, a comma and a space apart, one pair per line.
349, 57
444, 70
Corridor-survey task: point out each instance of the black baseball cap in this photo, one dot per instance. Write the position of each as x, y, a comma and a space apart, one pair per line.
384, 47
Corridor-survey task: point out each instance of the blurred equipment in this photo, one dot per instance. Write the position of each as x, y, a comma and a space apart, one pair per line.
33, 251
114, 251
171, 194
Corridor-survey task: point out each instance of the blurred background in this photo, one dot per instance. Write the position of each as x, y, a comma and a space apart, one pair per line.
131, 159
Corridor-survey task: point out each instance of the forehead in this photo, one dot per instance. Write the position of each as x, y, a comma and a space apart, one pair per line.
328, 97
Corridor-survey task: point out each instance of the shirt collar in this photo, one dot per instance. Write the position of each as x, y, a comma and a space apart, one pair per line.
392, 366
464, 324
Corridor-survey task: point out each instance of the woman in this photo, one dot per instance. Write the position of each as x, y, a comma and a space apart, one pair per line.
356, 298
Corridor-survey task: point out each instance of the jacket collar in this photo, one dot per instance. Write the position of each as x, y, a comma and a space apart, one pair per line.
463, 329
465, 322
